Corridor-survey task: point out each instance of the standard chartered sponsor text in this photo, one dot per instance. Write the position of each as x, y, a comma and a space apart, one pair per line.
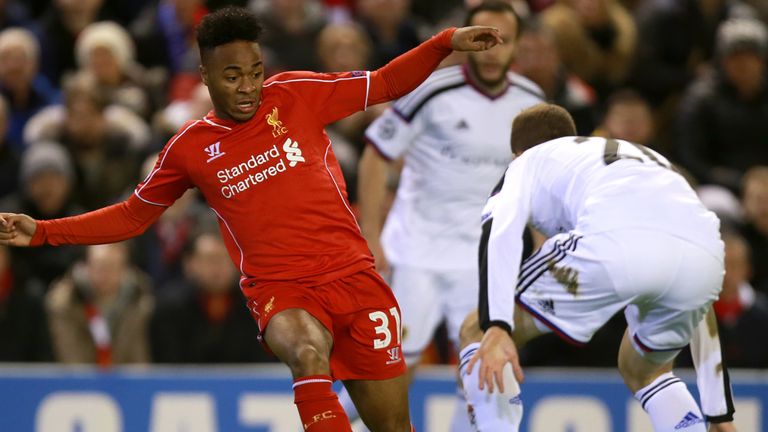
251, 172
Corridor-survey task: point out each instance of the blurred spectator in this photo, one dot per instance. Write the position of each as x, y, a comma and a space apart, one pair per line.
23, 323
106, 52
538, 59
755, 203
99, 313
723, 203
9, 158
26, 91
760, 7
723, 119
61, 24
204, 318
165, 36
596, 40
390, 28
346, 47
104, 141
628, 117
677, 38
46, 178
169, 120
291, 27
742, 312
14, 13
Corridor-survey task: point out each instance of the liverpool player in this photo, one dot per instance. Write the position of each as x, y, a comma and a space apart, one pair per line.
264, 164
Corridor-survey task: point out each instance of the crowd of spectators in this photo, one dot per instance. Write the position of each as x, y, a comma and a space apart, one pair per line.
90, 90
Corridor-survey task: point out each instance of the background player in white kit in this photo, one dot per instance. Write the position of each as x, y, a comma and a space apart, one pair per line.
453, 132
624, 232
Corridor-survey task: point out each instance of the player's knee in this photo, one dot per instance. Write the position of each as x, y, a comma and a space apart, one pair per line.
638, 371
306, 359
470, 331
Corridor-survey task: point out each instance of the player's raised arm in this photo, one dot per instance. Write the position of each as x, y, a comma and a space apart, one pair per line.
407, 71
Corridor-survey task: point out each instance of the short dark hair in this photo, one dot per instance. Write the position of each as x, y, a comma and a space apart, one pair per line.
497, 6
538, 124
227, 25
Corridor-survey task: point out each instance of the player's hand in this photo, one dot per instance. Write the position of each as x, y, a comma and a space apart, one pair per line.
475, 38
496, 350
722, 427
16, 229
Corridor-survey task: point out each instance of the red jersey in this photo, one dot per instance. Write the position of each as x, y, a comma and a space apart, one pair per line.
273, 181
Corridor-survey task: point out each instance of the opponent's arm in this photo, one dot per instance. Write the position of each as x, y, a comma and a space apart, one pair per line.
371, 197
403, 74
501, 248
107, 225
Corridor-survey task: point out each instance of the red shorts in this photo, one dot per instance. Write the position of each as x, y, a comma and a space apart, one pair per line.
359, 310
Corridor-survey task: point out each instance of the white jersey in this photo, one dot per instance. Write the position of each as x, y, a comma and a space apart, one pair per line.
587, 186
455, 143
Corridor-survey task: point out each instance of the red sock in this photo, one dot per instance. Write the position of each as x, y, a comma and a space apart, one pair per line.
319, 408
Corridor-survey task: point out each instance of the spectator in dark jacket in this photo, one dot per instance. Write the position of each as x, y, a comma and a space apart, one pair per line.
46, 177
26, 90
755, 204
741, 311
203, 317
723, 122
61, 24
23, 323
9, 158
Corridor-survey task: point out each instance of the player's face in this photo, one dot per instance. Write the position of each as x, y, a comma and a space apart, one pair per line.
491, 66
234, 74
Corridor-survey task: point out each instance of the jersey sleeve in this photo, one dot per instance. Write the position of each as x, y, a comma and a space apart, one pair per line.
391, 134
169, 179
501, 245
330, 96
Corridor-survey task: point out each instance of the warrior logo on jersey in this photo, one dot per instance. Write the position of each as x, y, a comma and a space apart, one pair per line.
214, 151
277, 126
394, 355
292, 152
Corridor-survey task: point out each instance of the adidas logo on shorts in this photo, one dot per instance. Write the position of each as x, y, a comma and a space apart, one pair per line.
690, 419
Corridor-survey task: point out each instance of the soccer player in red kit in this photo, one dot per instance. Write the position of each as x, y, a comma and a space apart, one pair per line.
264, 163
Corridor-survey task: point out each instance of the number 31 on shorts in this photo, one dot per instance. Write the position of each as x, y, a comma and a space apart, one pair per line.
382, 327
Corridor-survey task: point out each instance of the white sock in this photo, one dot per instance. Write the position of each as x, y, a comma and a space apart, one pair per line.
670, 405
491, 412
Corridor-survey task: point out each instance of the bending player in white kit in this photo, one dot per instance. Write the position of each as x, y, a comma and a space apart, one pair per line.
453, 132
625, 231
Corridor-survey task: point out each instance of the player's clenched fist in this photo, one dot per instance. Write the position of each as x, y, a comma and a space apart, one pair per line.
16, 229
475, 38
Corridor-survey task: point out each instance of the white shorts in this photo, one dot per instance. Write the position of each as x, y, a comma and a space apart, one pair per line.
575, 283
426, 297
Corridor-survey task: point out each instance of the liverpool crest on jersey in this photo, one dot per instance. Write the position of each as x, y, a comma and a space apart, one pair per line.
277, 126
